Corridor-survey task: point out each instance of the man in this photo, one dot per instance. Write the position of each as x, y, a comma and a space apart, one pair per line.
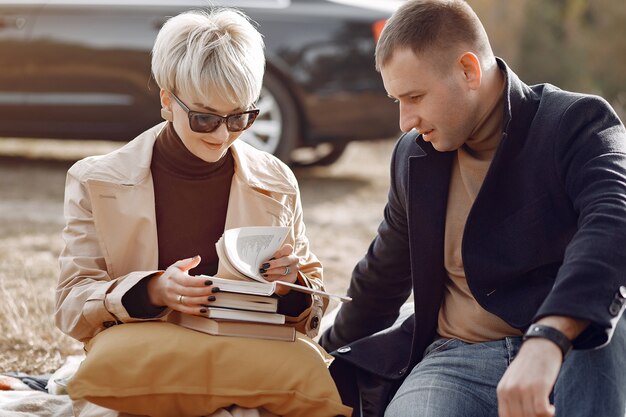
506, 215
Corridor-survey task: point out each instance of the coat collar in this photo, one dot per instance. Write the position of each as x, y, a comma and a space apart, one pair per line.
261, 170
516, 100
130, 165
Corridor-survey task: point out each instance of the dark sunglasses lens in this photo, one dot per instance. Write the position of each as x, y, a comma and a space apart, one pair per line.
239, 122
204, 122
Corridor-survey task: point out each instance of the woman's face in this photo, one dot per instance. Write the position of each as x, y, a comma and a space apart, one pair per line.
210, 147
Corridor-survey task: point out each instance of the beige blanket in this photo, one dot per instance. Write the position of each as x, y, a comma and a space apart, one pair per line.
34, 404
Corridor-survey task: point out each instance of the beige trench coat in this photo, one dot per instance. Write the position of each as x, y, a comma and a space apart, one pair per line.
111, 237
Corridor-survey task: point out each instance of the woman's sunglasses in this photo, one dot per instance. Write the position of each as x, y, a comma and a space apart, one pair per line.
209, 122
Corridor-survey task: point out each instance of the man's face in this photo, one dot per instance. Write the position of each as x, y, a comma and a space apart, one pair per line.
440, 105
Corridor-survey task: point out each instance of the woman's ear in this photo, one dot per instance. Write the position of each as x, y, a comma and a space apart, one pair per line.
166, 106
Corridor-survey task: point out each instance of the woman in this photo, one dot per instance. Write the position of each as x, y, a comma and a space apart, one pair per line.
143, 221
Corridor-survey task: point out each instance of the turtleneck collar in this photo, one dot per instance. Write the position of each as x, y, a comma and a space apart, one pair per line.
486, 136
171, 154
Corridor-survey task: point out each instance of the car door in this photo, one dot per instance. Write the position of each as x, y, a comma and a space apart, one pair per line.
86, 67
16, 21
88, 73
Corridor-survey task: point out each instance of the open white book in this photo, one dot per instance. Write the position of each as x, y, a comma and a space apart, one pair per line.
243, 250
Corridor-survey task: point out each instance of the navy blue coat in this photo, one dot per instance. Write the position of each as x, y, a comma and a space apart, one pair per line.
545, 236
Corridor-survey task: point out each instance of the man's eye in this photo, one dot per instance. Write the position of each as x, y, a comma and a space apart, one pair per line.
415, 98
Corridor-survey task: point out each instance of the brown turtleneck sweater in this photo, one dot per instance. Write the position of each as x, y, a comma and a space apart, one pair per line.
191, 199
460, 315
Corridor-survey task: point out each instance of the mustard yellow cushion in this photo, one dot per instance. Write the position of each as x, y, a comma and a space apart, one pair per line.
163, 370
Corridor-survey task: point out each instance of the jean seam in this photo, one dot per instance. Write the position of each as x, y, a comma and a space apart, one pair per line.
509, 349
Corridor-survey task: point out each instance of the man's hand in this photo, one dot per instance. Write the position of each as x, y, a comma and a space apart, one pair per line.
525, 388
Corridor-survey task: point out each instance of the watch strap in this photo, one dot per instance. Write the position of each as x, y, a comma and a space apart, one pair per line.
550, 333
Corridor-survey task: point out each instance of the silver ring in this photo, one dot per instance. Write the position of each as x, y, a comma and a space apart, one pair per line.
181, 299
287, 270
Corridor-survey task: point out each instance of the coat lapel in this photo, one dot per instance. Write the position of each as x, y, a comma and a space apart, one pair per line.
428, 184
116, 208
258, 196
122, 198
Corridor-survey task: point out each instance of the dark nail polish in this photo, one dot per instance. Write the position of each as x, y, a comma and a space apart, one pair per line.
203, 310
262, 270
211, 298
271, 259
208, 282
265, 275
265, 265
215, 289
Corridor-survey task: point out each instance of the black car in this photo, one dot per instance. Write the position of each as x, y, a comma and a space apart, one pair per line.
80, 69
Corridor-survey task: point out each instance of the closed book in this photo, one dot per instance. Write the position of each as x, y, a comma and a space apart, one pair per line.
233, 328
246, 302
242, 315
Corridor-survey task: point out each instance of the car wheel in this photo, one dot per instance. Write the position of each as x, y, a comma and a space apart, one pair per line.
277, 128
323, 154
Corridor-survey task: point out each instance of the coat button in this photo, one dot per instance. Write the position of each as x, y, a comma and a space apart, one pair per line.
402, 371
615, 308
108, 324
622, 291
315, 321
344, 349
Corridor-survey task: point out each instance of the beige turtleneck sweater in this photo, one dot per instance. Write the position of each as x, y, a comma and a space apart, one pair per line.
460, 315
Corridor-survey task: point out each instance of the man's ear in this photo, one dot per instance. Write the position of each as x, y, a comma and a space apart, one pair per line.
472, 71
166, 106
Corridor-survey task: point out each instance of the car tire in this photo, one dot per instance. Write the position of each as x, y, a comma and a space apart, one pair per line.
323, 154
277, 129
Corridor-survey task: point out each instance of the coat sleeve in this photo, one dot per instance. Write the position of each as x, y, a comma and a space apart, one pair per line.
310, 273
381, 281
590, 156
88, 299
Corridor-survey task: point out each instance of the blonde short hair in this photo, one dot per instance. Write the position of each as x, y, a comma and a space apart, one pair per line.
199, 54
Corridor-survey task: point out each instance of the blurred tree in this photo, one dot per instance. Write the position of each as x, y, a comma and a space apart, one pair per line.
579, 45
504, 21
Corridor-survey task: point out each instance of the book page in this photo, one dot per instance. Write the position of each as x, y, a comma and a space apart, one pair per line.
248, 247
227, 269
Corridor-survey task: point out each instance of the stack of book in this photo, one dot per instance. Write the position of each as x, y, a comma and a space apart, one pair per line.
237, 313
246, 304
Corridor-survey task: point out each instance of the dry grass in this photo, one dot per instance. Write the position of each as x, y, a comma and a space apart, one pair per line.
28, 273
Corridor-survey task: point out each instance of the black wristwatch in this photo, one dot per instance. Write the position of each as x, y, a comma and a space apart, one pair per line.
550, 333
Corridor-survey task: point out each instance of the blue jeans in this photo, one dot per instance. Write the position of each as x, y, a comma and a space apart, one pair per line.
458, 379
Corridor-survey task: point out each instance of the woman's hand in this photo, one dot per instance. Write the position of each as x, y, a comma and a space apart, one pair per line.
282, 267
176, 289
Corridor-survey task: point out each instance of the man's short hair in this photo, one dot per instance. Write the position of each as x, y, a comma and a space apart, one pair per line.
439, 27
201, 53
